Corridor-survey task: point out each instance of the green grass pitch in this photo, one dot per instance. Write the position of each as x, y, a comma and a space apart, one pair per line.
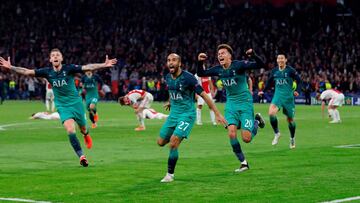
38, 163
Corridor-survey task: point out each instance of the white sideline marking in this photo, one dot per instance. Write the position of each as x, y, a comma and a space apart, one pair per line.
2, 127
350, 146
343, 200
22, 200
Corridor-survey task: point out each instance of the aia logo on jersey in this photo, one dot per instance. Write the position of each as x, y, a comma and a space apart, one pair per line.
175, 96
229, 82
59, 83
281, 82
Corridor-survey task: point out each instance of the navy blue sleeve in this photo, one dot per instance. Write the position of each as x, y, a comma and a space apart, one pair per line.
201, 72
72, 68
99, 80
42, 72
193, 84
269, 81
296, 77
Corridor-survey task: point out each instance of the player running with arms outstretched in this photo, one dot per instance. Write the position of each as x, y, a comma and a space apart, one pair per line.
239, 110
67, 100
182, 87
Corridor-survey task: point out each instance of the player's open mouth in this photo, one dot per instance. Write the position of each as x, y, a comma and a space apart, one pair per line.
56, 61
221, 60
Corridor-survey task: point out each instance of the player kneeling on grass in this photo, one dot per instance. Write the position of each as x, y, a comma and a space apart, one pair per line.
67, 100
283, 76
182, 87
139, 100
45, 116
89, 83
336, 99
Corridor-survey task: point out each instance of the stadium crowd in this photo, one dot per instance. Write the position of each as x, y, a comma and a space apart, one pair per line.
322, 45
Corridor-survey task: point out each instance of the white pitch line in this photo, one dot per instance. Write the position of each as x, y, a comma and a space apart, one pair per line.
21, 200
350, 146
343, 200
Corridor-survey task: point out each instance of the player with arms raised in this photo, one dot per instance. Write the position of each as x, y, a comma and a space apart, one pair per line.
283, 76
239, 110
182, 87
89, 83
67, 99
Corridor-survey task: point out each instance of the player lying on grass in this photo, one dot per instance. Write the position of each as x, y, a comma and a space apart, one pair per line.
239, 109
67, 100
335, 99
45, 116
283, 76
182, 87
139, 100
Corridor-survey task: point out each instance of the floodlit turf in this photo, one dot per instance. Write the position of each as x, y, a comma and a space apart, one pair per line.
38, 163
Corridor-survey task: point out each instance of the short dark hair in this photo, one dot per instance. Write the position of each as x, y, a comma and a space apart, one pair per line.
281, 53
55, 50
121, 100
227, 47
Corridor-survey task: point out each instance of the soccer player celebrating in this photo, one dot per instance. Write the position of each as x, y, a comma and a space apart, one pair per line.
90, 82
182, 87
283, 76
336, 99
239, 110
208, 87
139, 100
67, 99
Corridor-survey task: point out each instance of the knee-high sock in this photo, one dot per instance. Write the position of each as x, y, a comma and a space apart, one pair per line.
173, 157
292, 128
337, 115
255, 129
274, 124
52, 105
332, 114
237, 149
47, 104
75, 144
198, 115
140, 119
212, 116
91, 116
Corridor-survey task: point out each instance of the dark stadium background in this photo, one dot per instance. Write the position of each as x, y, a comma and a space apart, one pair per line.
321, 39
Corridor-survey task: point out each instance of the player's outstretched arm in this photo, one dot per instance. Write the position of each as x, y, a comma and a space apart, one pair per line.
95, 66
219, 118
259, 63
201, 70
23, 71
